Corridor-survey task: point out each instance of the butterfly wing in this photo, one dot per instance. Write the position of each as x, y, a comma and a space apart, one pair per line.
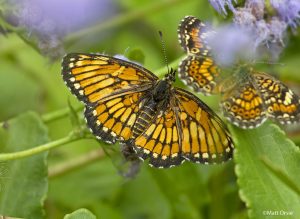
160, 141
97, 77
111, 88
187, 129
200, 73
192, 33
197, 70
281, 102
243, 106
113, 119
204, 137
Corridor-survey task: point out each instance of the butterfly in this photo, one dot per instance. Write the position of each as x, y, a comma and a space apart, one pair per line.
248, 98
197, 69
126, 103
255, 96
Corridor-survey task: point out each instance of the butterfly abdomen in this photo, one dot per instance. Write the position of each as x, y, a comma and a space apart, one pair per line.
148, 111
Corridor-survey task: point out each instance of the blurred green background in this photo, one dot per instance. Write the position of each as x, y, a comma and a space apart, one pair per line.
81, 175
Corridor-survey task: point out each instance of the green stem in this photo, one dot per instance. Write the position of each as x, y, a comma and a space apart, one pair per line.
122, 19
38, 149
58, 114
75, 163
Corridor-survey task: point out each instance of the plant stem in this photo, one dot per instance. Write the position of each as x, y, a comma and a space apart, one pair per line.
38, 149
75, 163
58, 114
122, 19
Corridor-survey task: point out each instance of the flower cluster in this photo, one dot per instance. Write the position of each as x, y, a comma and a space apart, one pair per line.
47, 22
267, 32
219, 5
288, 11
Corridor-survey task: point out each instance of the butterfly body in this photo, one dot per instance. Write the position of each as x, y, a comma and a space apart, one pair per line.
126, 103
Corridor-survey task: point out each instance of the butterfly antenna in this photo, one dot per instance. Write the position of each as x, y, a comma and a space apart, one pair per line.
170, 70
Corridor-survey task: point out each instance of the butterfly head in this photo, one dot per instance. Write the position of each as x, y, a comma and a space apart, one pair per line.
170, 76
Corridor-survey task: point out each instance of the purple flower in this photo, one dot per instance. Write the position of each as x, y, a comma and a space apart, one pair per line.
262, 33
219, 5
256, 7
244, 18
277, 29
236, 42
288, 11
62, 16
47, 22
123, 57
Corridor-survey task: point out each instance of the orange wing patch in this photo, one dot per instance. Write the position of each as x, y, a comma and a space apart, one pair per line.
282, 104
113, 119
243, 106
197, 70
205, 138
192, 35
199, 73
160, 141
93, 78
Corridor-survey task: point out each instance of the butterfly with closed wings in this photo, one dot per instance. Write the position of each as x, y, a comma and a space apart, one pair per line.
252, 96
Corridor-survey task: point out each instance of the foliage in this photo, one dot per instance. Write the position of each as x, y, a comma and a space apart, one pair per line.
262, 179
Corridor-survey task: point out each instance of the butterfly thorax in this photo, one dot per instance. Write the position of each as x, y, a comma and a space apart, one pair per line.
155, 103
161, 91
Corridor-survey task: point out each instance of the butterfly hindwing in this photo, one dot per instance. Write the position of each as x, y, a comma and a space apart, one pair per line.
199, 73
161, 141
94, 77
205, 138
282, 103
243, 106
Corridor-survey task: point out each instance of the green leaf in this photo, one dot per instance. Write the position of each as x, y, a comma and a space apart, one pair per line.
136, 55
25, 187
80, 214
267, 167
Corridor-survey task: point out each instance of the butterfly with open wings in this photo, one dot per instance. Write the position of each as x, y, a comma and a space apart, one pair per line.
127, 103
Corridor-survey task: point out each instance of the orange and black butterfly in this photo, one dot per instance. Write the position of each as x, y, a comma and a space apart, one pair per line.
127, 103
251, 96
255, 96
198, 68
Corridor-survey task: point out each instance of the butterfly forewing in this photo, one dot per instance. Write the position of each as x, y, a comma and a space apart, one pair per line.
113, 119
192, 34
93, 78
